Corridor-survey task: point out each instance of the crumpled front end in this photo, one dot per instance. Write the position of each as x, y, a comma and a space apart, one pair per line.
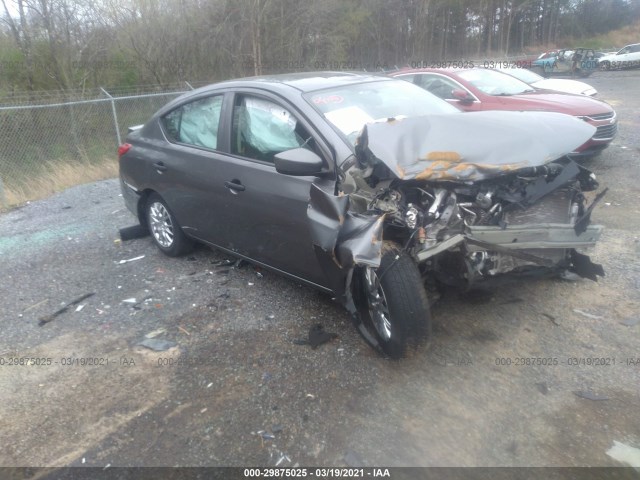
489, 200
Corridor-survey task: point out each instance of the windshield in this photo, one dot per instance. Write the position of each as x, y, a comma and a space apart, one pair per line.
351, 107
495, 83
527, 76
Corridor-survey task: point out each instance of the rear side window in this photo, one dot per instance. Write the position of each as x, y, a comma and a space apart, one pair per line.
195, 123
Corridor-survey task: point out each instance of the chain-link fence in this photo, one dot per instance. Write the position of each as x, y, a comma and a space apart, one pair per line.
37, 138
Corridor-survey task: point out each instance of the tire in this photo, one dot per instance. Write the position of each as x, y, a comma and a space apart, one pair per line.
606, 65
164, 228
392, 303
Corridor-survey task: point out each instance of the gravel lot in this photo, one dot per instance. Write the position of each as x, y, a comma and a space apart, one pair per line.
236, 370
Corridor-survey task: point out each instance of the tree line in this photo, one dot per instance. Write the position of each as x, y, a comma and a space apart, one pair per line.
83, 44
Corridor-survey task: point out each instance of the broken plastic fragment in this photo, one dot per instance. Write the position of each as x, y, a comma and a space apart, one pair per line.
155, 333
130, 260
317, 336
157, 344
136, 231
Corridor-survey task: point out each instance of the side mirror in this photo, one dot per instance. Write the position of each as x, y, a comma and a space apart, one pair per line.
463, 96
298, 162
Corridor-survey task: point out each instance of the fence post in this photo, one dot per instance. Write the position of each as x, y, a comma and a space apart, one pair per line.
115, 115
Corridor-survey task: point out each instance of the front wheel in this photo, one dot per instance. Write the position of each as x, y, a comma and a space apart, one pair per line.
392, 302
164, 228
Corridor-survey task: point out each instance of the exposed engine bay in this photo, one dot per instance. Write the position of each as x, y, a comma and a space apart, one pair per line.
469, 232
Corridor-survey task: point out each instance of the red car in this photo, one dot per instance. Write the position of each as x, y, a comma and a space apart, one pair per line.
478, 89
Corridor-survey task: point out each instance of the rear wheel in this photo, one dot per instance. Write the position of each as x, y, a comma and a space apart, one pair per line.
164, 229
392, 303
606, 65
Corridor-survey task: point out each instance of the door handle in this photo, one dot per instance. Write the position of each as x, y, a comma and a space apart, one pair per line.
237, 186
160, 166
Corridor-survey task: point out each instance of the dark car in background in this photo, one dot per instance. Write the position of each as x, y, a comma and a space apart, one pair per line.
577, 62
479, 89
368, 188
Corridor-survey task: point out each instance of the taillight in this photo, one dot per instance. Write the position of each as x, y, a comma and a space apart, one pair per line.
124, 148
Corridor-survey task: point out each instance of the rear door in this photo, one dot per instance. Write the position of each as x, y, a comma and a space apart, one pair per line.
184, 169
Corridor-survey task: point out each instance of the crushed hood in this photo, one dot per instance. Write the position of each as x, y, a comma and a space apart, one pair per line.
470, 146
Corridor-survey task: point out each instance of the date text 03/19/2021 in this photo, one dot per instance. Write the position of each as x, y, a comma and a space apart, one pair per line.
300, 472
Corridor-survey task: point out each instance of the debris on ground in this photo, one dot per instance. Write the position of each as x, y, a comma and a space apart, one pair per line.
159, 345
277, 428
48, 318
133, 232
223, 263
589, 395
318, 336
155, 333
130, 260
588, 315
625, 454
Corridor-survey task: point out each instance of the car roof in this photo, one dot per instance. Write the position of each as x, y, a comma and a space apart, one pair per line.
301, 81
429, 70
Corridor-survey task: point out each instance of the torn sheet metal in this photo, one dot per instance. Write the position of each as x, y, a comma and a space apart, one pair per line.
350, 238
471, 146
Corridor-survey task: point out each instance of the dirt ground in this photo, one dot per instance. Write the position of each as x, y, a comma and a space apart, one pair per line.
89, 395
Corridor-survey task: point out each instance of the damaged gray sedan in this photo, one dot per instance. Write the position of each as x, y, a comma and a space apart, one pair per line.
368, 188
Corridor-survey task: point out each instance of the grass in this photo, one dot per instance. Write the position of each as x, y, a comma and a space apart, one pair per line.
56, 176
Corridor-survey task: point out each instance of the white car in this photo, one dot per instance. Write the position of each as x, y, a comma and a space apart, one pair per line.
557, 84
627, 57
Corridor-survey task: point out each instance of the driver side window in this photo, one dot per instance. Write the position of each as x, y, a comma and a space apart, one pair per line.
262, 129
